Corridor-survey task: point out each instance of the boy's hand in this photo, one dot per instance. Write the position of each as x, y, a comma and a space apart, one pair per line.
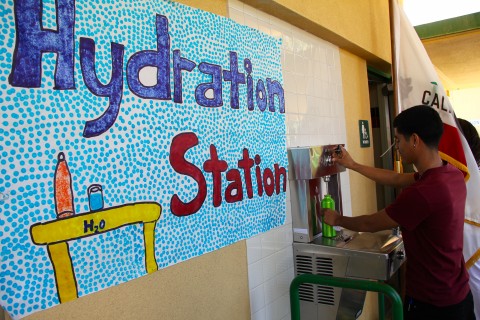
331, 217
343, 158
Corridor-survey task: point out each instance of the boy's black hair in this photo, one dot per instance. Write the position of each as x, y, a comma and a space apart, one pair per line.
422, 120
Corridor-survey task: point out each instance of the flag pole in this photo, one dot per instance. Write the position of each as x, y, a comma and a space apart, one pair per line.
397, 160
393, 47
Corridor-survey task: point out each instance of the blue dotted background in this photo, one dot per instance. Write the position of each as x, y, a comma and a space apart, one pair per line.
130, 160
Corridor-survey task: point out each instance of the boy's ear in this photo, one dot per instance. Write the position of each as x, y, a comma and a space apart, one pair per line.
416, 139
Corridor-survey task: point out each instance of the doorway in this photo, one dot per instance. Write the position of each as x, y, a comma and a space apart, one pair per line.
382, 113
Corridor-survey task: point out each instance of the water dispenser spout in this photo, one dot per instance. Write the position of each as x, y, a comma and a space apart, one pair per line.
314, 174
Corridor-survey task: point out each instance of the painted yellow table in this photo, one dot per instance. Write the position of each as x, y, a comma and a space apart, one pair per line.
56, 234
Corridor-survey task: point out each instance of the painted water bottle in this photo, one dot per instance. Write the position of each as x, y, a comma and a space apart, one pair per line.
327, 230
63, 188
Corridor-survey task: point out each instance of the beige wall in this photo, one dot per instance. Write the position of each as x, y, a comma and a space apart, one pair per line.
357, 107
212, 286
215, 6
359, 27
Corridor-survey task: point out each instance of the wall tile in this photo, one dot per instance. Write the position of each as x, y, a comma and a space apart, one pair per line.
289, 63
264, 26
279, 308
310, 89
302, 105
255, 274
254, 252
271, 291
330, 57
269, 267
291, 103
288, 219
236, 15
260, 315
300, 47
301, 83
289, 82
288, 193
236, 4
314, 116
268, 243
320, 54
257, 298
294, 141
282, 237
251, 21
294, 127
275, 32
301, 65
285, 258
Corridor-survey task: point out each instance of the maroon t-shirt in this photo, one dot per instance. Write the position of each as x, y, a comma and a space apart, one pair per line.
431, 213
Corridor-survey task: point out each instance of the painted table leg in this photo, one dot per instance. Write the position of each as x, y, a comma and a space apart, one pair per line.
63, 269
149, 240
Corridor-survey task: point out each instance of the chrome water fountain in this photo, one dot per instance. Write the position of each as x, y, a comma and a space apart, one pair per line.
374, 256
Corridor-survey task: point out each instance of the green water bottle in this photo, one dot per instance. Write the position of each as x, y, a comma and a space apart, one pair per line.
327, 230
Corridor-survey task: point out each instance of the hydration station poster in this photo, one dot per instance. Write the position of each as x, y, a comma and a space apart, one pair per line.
134, 135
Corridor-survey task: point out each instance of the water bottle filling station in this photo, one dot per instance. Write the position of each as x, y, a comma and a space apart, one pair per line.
318, 248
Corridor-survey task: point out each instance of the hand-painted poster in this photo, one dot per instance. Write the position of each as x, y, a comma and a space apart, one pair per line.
134, 135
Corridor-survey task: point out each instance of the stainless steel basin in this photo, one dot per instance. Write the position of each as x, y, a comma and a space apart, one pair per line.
364, 255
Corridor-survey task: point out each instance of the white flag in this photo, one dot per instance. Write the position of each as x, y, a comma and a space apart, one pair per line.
418, 83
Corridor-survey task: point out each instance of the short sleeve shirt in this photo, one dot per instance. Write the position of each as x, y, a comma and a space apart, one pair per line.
431, 213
